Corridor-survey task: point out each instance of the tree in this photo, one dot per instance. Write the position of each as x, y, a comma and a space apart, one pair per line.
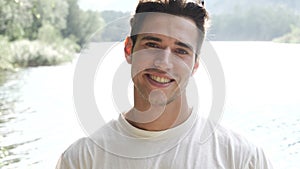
15, 18
81, 24
117, 25
257, 23
53, 12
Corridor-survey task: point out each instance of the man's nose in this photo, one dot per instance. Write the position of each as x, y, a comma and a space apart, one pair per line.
164, 59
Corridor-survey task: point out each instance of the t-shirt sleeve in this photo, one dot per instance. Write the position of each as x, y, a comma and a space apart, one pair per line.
77, 156
260, 160
61, 164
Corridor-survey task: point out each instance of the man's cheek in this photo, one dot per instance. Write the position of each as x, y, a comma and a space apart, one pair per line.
141, 63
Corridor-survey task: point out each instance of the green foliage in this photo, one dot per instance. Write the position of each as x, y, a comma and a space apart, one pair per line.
43, 32
81, 24
90, 23
23, 19
36, 53
53, 12
258, 23
217, 7
15, 18
72, 19
47, 33
291, 37
117, 25
25, 53
5, 54
51, 36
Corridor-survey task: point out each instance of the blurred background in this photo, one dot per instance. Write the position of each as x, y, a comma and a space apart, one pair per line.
257, 42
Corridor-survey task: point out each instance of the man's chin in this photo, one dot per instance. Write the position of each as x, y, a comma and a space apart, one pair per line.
159, 103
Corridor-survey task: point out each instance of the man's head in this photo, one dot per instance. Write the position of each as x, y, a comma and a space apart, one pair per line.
185, 8
165, 39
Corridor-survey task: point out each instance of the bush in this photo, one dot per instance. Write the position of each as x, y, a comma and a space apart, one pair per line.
49, 49
292, 37
47, 33
25, 53
37, 53
5, 54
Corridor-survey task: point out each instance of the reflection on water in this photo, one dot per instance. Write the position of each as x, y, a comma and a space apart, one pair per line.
9, 96
276, 128
37, 120
8, 156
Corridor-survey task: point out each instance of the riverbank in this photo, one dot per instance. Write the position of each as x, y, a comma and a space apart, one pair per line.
26, 53
291, 37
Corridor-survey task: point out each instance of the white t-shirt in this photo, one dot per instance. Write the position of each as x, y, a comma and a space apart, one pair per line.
194, 144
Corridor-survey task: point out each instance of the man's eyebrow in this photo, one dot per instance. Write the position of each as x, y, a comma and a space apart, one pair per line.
185, 45
152, 38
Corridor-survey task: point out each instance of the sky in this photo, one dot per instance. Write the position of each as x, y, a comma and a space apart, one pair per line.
100, 5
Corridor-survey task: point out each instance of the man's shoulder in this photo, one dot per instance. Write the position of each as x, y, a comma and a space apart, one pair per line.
239, 147
91, 142
234, 140
84, 144
78, 154
232, 136
216, 135
230, 147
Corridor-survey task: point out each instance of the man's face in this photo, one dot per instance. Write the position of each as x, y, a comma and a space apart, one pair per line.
163, 57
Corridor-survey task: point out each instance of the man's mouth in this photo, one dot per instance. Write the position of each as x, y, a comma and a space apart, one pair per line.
159, 79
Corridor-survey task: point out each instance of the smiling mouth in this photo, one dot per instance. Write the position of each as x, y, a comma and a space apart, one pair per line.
159, 79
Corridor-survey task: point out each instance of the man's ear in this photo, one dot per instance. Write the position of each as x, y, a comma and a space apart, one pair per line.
196, 65
128, 49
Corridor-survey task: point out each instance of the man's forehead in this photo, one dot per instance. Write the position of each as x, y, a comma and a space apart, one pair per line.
156, 37
177, 27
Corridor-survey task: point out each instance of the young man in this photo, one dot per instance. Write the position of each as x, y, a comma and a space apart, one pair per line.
161, 131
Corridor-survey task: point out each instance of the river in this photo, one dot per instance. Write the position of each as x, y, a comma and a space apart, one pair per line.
38, 120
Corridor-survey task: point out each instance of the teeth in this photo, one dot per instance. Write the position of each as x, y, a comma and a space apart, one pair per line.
160, 79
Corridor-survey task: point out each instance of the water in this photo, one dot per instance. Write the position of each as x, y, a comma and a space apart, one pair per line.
38, 121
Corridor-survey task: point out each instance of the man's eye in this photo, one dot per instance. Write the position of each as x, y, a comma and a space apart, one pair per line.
181, 51
152, 45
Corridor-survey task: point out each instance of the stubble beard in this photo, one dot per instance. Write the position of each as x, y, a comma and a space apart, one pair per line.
178, 92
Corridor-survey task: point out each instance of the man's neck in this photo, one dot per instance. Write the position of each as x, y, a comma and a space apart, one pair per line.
158, 117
